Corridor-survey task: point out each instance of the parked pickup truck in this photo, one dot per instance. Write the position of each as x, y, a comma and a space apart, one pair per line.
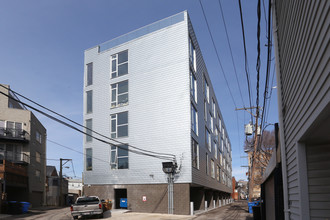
87, 206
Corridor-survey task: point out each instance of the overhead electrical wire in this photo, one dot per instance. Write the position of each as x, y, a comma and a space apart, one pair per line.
138, 149
245, 58
216, 51
231, 53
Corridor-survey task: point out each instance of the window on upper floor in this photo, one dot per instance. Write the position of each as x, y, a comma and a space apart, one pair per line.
38, 157
207, 164
207, 91
208, 139
89, 159
218, 173
193, 86
119, 125
38, 137
194, 119
38, 175
211, 122
119, 157
213, 108
119, 64
89, 101
89, 74
89, 127
192, 53
205, 110
215, 150
212, 169
119, 94
195, 153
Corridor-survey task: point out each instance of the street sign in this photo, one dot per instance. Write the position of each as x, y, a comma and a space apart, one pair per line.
144, 198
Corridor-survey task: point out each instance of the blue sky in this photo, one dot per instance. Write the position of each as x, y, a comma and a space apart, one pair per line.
42, 45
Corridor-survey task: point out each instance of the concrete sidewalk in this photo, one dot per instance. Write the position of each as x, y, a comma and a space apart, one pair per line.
127, 215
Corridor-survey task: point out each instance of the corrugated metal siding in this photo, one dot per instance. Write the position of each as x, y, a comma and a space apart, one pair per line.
303, 46
318, 170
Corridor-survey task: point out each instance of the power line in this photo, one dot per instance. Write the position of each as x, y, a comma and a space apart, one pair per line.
216, 51
231, 53
74, 128
76, 123
245, 57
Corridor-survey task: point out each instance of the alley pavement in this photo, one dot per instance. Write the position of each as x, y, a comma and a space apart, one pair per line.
235, 211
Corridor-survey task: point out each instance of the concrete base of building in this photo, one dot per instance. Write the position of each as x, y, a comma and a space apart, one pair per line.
153, 198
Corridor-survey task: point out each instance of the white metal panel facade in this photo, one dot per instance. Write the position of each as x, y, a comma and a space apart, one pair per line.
159, 108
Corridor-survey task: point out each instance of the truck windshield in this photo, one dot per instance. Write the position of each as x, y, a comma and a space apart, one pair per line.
88, 200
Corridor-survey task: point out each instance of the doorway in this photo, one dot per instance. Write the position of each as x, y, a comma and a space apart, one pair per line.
119, 195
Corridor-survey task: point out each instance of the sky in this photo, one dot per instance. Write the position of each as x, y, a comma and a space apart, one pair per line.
42, 45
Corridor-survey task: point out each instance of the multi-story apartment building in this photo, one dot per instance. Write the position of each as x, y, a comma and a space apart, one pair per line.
150, 89
22, 152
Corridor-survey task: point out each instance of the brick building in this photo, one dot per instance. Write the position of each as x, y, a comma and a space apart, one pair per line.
150, 88
22, 152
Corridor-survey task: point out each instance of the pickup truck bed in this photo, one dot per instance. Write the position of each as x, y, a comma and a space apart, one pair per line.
87, 206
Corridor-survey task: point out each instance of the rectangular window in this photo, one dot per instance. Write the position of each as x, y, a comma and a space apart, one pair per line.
89, 159
194, 120
215, 150
211, 122
119, 94
38, 157
119, 64
218, 173
193, 86
89, 126
119, 125
205, 111
207, 91
192, 53
221, 159
212, 169
119, 157
208, 139
89, 74
207, 164
38, 137
195, 153
38, 175
89, 102
213, 108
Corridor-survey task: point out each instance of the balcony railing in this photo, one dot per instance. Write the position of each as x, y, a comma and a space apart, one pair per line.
18, 158
13, 134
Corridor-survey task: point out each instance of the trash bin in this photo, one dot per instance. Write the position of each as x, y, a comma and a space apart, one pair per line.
14, 207
123, 203
25, 207
250, 205
256, 212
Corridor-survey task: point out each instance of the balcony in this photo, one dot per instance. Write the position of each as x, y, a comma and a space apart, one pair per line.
14, 174
14, 134
18, 158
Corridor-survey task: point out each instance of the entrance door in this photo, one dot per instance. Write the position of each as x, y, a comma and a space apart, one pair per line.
120, 196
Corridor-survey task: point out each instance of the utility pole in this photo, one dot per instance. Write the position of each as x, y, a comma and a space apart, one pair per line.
61, 178
256, 130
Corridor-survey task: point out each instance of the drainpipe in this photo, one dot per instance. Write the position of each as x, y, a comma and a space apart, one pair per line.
280, 104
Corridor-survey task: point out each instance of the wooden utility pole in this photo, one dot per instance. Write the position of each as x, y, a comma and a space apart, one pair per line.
255, 145
61, 178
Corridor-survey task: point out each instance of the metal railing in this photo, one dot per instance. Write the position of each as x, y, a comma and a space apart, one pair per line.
12, 133
14, 157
